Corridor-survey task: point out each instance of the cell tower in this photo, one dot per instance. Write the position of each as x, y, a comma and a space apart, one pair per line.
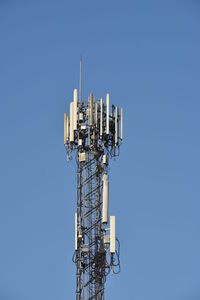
94, 134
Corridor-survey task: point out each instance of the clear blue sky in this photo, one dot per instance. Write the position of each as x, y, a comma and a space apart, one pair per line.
146, 53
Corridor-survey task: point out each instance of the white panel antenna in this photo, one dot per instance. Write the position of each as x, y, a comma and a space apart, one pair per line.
75, 108
65, 128
96, 113
71, 121
112, 234
105, 199
101, 118
91, 110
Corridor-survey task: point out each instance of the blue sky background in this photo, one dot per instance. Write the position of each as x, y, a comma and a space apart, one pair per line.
146, 53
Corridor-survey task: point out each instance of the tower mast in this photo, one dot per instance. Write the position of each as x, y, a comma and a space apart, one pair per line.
93, 135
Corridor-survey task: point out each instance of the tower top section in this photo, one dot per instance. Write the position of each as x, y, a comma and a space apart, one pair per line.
93, 125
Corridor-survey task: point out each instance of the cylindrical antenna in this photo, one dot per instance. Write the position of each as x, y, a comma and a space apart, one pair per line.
75, 108
101, 118
91, 109
65, 128
71, 121
80, 82
107, 113
96, 113
116, 123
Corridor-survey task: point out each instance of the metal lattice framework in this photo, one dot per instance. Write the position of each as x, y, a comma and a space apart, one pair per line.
94, 136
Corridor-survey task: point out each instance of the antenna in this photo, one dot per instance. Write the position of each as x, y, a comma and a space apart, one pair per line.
92, 136
80, 82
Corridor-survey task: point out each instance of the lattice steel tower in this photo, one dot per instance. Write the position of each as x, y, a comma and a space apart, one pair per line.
94, 134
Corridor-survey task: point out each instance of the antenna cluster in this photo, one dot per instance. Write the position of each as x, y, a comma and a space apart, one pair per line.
93, 126
93, 133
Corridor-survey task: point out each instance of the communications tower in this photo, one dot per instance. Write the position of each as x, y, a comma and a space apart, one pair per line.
93, 133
